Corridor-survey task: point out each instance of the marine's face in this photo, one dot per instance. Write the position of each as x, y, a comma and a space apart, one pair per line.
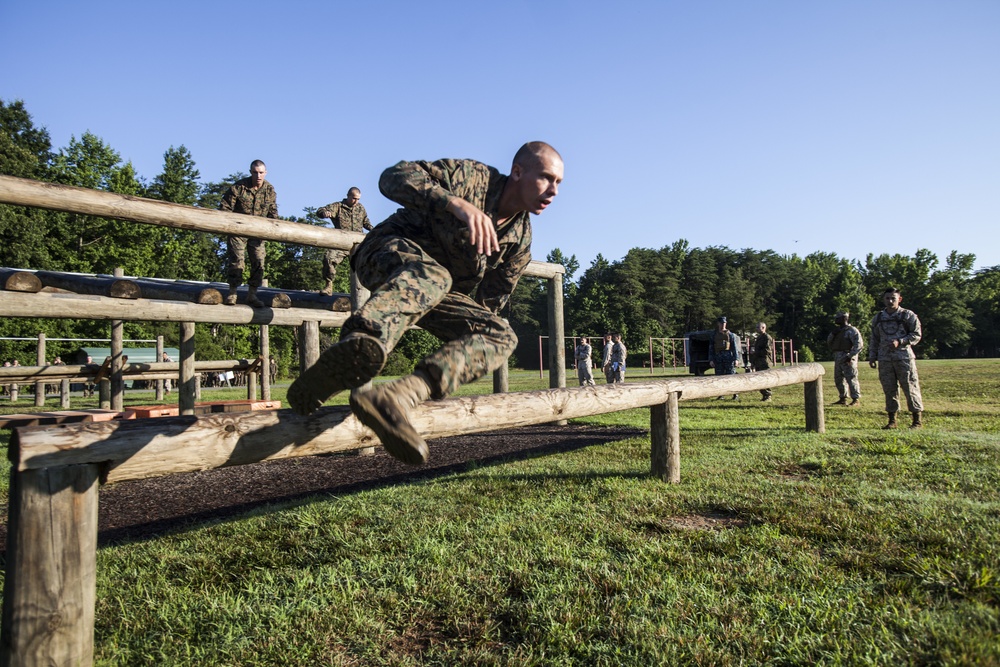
761, 328
257, 175
353, 197
538, 183
891, 300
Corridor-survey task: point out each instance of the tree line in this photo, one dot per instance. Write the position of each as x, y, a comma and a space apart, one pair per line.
660, 293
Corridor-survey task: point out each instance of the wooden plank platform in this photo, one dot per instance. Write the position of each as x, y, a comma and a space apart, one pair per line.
58, 417
147, 411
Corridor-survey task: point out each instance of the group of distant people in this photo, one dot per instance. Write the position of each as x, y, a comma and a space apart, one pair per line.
613, 356
895, 330
253, 195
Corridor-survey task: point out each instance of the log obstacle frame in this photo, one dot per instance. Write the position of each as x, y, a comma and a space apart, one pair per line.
50, 590
50, 587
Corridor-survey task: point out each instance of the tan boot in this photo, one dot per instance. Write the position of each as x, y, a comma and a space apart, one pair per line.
918, 421
892, 422
252, 299
856, 403
386, 410
842, 401
327, 288
231, 297
349, 363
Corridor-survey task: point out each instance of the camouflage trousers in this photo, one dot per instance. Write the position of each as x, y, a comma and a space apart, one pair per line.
331, 260
761, 364
845, 375
584, 373
236, 251
896, 373
724, 367
409, 287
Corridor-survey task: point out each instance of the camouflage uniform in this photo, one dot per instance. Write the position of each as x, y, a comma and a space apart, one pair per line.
584, 363
618, 355
609, 374
897, 367
421, 270
846, 344
346, 217
725, 352
761, 356
262, 202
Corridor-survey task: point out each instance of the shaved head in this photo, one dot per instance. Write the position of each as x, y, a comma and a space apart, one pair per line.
531, 153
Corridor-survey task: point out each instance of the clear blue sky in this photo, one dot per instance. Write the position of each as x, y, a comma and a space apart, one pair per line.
850, 127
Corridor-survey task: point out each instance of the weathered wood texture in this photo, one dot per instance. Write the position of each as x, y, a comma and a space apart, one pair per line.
85, 372
75, 306
665, 440
51, 585
26, 192
111, 286
132, 450
17, 280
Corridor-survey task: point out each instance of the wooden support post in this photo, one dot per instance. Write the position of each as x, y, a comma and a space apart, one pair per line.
308, 344
117, 362
51, 581
665, 440
251, 385
186, 392
104, 394
64, 392
159, 356
501, 380
40, 386
815, 416
265, 357
557, 330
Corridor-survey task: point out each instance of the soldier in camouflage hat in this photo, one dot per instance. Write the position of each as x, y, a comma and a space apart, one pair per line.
250, 196
349, 215
448, 262
895, 330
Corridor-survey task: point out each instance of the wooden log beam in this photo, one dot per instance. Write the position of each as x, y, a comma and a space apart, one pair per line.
74, 306
134, 450
18, 280
26, 374
179, 290
111, 286
26, 192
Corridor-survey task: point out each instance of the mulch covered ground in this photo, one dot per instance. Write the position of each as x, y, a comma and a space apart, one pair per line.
144, 508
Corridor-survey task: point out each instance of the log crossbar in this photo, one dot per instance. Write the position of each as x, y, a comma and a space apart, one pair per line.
71, 199
136, 450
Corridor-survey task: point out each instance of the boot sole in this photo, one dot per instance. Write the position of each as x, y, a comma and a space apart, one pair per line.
345, 365
399, 439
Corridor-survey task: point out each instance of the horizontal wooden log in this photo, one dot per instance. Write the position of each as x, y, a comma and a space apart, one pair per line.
17, 280
179, 290
55, 197
110, 286
86, 372
137, 450
78, 306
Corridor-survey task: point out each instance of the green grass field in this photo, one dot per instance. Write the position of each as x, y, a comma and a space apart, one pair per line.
853, 547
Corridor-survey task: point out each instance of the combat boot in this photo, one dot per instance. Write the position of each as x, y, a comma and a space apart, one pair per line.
327, 288
252, 299
856, 403
842, 401
892, 422
386, 410
918, 421
349, 363
231, 297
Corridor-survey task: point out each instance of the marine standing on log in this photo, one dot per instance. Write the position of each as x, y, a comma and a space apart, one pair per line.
251, 196
347, 214
447, 261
